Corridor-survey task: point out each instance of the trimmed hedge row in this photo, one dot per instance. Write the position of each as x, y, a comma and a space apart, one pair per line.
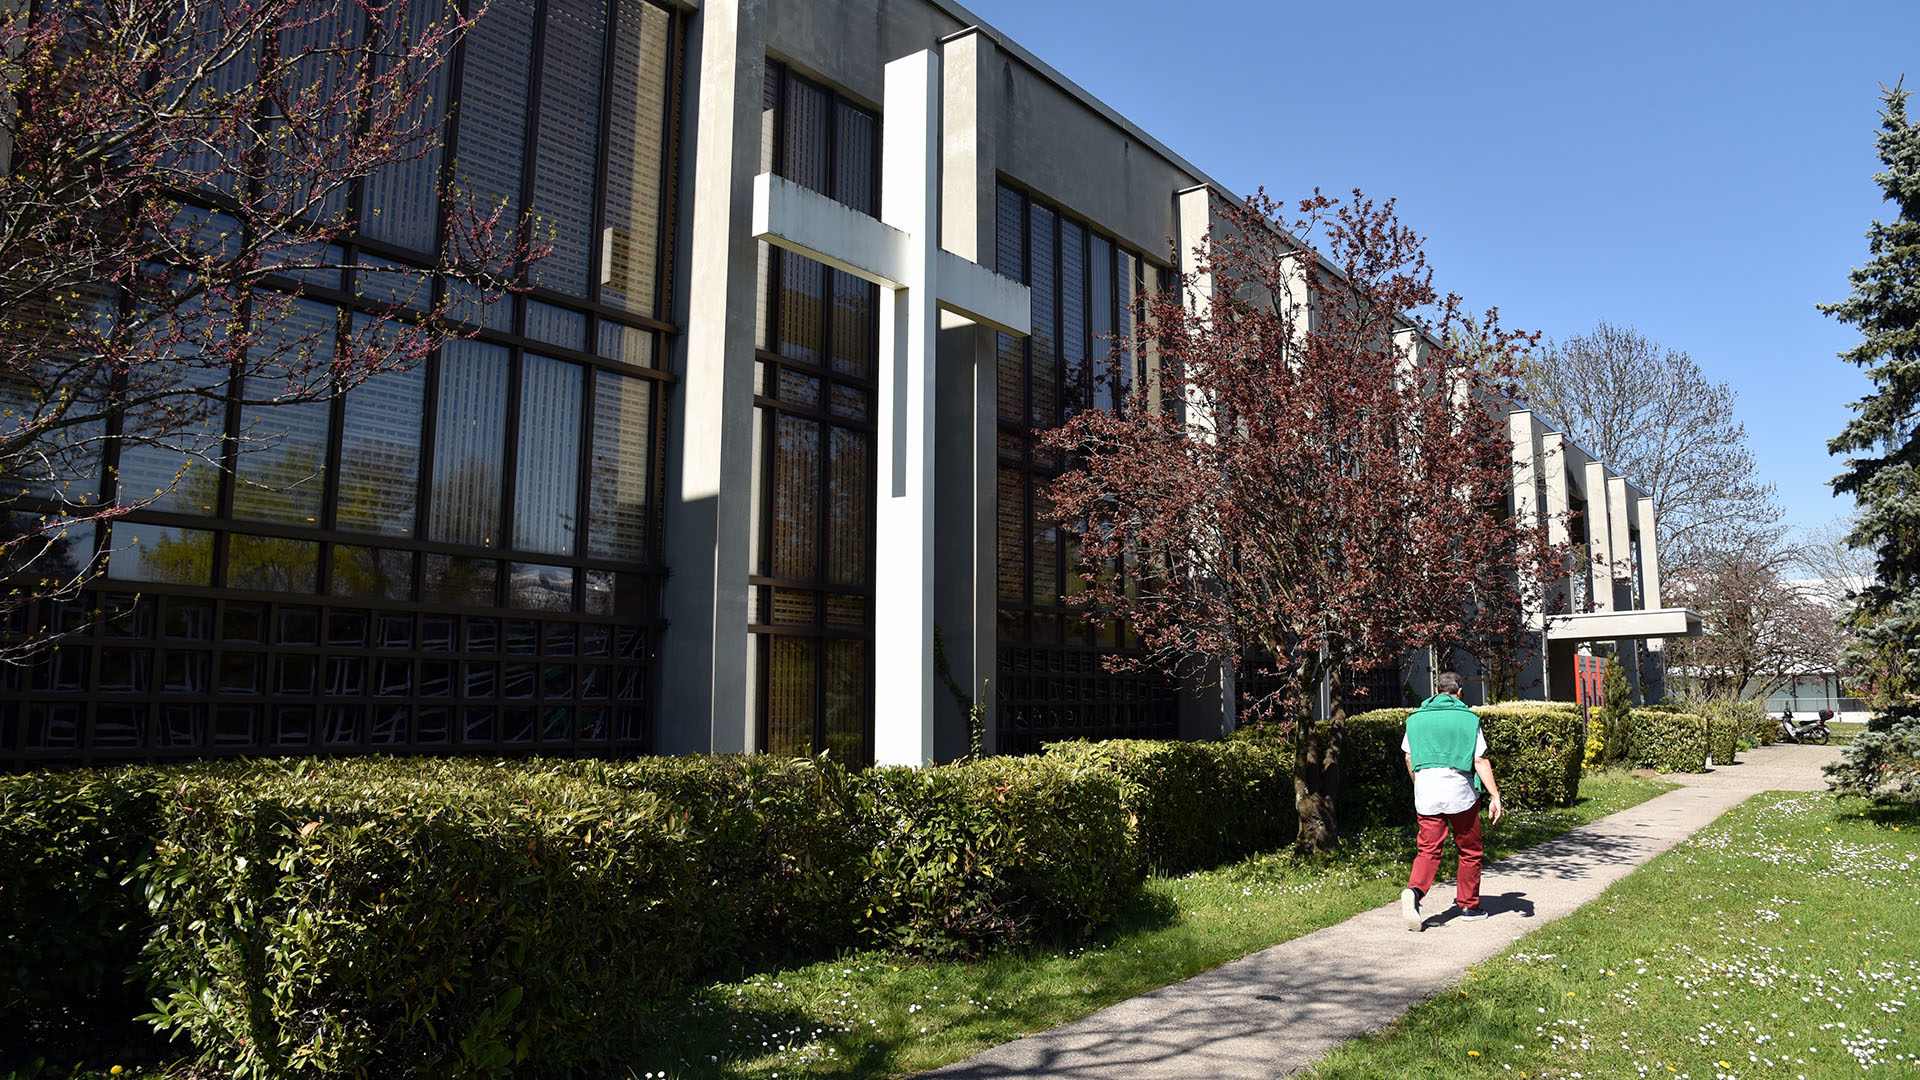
1669, 741
456, 917
368, 917
71, 923
1537, 749
1198, 804
1000, 850
360, 917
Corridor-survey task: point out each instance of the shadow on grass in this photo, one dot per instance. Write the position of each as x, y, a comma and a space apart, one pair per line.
715, 1031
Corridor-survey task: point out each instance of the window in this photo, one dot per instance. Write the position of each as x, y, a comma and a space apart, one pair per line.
463, 555
1051, 684
812, 605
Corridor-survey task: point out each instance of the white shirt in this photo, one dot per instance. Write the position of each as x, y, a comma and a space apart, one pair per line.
1441, 790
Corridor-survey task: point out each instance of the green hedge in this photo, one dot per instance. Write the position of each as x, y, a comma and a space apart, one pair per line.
781, 842
376, 917
1198, 804
71, 921
1668, 741
1538, 749
1006, 849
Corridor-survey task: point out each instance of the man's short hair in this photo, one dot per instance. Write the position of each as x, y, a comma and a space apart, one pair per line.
1448, 683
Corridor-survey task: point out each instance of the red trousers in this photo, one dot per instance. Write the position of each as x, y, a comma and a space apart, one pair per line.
1465, 827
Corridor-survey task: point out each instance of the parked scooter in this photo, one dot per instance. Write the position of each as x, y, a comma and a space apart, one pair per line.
1805, 731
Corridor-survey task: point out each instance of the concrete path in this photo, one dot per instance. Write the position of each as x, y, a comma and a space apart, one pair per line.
1277, 1011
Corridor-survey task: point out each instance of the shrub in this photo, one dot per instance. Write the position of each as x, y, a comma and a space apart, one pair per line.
1198, 804
1374, 785
1002, 850
1538, 750
1615, 717
1535, 747
379, 917
781, 845
71, 923
1882, 763
1669, 741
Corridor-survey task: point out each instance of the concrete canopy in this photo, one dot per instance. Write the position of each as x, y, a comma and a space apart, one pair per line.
1620, 625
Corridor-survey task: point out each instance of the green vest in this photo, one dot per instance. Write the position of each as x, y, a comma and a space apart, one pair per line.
1444, 733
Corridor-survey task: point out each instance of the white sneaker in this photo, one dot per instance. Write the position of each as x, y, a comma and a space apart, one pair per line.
1410, 910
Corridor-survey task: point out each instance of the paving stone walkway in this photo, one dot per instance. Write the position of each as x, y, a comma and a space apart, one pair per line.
1276, 1012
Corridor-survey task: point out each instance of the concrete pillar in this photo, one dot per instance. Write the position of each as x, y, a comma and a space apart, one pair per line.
1524, 428
1208, 706
1599, 536
967, 392
708, 512
1654, 676
909, 321
1620, 537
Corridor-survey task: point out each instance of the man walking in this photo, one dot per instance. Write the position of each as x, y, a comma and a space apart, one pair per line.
1447, 758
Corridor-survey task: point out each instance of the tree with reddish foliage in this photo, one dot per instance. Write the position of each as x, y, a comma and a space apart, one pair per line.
173, 174
1310, 472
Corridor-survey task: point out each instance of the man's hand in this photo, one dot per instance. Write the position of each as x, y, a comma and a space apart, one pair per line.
1494, 810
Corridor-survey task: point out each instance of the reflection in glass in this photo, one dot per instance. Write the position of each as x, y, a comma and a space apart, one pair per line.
619, 497
272, 564
461, 582
849, 506
375, 572
796, 498
627, 344
380, 453
283, 447
141, 552
567, 160
790, 694
493, 107
848, 705
401, 200
546, 487
556, 326
637, 142
469, 440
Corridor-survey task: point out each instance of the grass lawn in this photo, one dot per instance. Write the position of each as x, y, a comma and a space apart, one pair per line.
1844, 731
1782, 941
879, 1015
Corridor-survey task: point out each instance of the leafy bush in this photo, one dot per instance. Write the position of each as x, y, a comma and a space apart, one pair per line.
1669, 741
1535, 747
71, 924
1198, 804
1374, 785
982, 853
781, 844
1882, 763
1538, 750
379, 917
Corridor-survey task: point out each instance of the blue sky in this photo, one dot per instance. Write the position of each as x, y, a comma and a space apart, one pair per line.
1699, 171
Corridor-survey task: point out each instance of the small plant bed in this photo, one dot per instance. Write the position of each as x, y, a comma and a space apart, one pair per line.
1779, 942
876, 1014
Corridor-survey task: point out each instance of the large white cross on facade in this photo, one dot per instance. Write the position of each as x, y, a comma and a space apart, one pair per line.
900, 252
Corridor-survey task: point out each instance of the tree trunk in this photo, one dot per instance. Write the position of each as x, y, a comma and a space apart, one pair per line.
1316, 769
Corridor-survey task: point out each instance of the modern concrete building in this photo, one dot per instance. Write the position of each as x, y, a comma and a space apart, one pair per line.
759, 435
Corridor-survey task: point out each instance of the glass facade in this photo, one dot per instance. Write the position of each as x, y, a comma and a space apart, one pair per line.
462, 556
1050, 683
811, 610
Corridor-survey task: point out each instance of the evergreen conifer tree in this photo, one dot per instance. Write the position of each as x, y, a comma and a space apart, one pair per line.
1616, 716
1883, 473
